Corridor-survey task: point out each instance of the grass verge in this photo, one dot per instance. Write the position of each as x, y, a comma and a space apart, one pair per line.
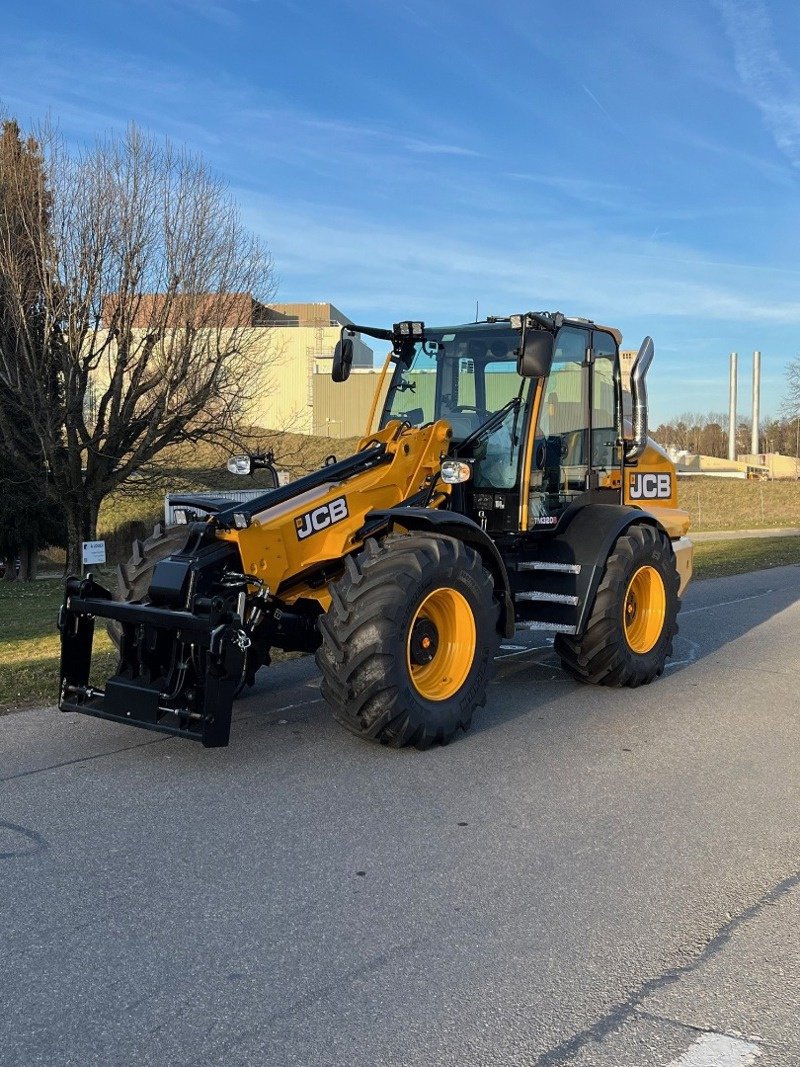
29, 645
738, 504
716, 559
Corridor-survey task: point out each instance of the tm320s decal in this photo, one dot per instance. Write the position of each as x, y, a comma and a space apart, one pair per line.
311, 522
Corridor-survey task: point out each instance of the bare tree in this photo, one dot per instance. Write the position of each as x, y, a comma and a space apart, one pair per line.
790, 408
140, 333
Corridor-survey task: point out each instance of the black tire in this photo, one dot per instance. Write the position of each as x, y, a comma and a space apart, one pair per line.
371, 668
604, 654
134, 577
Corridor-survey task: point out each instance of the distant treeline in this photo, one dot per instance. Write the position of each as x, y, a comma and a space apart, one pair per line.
708, 434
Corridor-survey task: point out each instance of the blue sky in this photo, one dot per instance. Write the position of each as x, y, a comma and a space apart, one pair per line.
637, 163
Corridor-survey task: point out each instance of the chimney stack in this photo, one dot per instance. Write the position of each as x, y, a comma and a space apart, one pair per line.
754, 436
732, 410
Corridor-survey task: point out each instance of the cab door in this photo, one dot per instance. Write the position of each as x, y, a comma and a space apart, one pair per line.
575, 440
605, 458
558, 458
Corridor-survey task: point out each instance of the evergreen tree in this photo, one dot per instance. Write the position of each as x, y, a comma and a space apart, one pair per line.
30, 518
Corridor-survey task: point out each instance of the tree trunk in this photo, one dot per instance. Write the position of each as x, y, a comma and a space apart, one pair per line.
27, 554
81, 526
11, 567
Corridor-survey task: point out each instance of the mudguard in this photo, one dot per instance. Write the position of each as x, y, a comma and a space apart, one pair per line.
451, 524
585, 535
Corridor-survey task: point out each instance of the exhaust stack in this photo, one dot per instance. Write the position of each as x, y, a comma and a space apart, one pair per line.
732, 409
754, 435
641, 365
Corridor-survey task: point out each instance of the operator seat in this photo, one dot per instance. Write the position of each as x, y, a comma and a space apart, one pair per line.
463, 423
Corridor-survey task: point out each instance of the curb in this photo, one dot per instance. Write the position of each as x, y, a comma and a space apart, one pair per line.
740, 535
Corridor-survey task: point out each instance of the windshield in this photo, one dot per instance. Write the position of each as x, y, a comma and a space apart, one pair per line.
463, 375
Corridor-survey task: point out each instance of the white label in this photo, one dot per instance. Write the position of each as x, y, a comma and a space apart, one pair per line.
94, 551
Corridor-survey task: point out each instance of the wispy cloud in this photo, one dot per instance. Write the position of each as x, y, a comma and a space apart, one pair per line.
440, 149
226, 14
616, 278
614, 196
768, 81
410, 143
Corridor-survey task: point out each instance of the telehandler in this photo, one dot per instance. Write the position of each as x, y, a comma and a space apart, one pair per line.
498, 485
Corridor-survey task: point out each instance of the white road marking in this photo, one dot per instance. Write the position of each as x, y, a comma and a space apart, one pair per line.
528, 648
301, 704
718, 1050
691, 655
726, 603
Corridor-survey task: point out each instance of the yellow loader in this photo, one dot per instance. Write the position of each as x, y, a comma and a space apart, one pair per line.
499, 485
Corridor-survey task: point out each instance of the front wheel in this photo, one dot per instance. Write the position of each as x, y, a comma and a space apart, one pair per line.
408, 643
628, 638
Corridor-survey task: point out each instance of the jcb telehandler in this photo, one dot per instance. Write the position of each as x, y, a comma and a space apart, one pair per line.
501, 487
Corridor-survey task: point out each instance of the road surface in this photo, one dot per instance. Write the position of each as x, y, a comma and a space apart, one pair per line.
590, 877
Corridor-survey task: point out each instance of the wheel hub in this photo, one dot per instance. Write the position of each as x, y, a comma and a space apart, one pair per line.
644, 609
424, 642
441, 644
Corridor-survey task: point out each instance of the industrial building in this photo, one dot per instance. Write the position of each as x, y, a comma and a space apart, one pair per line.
298, 343
293, 342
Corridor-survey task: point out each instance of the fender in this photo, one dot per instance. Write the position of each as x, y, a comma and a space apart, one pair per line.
451, 524
586, 535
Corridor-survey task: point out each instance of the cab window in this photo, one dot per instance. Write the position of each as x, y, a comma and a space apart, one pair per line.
605, 394
559, 470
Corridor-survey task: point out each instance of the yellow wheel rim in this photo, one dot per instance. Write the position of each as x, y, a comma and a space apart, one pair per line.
644, 610
440, 647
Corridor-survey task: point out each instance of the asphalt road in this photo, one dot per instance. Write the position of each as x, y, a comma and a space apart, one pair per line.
589, 877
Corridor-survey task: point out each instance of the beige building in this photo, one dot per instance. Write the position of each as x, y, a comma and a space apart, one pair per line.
294, 345
300, 395
294, 342
772, 465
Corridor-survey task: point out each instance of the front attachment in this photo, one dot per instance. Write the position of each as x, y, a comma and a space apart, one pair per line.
178, 670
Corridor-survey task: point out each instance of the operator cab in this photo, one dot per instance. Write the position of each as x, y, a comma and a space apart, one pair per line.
534, 445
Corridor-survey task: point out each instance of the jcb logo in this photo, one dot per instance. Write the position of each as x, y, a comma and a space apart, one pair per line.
650, 486
320, 518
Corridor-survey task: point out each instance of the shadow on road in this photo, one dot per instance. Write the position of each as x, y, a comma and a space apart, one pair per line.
286, 706
718, 611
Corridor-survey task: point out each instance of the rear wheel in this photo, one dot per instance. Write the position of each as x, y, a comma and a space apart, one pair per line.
408, 643
628, 638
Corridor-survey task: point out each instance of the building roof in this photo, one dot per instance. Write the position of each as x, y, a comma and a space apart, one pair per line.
159, 310
319, 313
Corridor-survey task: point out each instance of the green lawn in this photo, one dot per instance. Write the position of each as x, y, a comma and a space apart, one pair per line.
29, 641
29, 644
738, 504
714, 559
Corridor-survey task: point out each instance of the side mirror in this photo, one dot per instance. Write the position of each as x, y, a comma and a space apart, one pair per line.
342, 359
536, 354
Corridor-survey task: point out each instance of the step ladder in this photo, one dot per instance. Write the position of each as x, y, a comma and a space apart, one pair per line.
547, 595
